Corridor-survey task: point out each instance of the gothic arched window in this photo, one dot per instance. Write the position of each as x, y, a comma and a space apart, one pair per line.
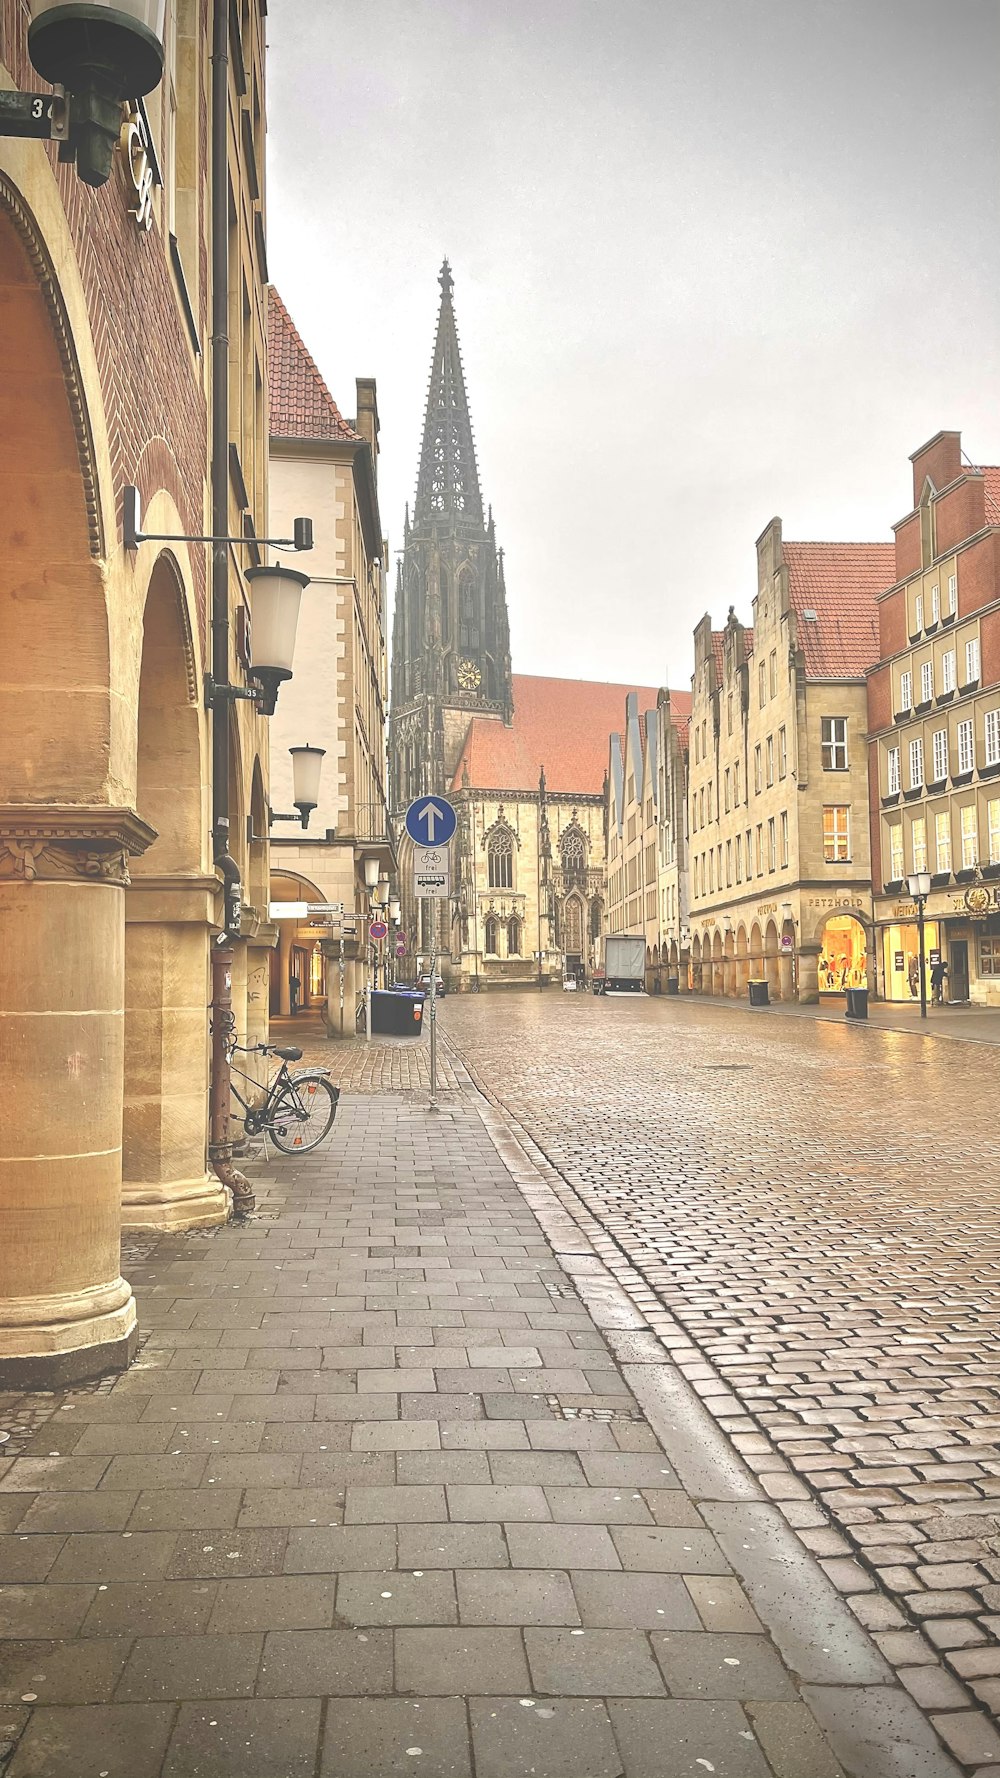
514, 937
469, 637
573, 851
500, 861
492, 935
573, 927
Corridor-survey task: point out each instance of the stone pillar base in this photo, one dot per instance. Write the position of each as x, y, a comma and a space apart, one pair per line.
176, 1204
49, 1342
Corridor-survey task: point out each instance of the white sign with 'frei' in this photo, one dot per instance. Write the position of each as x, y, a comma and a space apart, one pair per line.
431, 872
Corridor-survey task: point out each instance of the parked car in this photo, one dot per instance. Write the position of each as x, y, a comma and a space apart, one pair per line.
424, 982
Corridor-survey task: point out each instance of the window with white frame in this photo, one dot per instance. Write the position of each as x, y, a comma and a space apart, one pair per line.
784, 839
918, 844
948, 670
952, 594
972, 660
774, 672
757, 769
782, 751
966, 746
770, 759
837, 833
970, 837
834, 740
918, 612
760, 848
762, 680
993, 828
993, 737
892, 771
916, 762
895, 851
989, 955
905, 689
935, 604
772, 847
926, 681
942, 839
727, 783
736, 785
940, 751
729, 864
739, 858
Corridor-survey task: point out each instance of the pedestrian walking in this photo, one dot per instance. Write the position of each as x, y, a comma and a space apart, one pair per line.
939, 975
293, 992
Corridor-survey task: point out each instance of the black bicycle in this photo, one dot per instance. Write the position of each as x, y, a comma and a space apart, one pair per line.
297, 1111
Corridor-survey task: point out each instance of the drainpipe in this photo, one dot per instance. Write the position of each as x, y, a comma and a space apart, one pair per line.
220, 1150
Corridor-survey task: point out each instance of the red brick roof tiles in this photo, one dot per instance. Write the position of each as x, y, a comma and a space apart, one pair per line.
301, 403
991, 477
719, 654
840, 582
559, 724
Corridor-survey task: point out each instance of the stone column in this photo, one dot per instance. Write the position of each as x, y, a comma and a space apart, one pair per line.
785, 975
65, 1310
166, 1182
259, 949
809, 974
285, 934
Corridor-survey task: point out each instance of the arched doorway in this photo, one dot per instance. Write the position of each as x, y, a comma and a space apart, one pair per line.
297, 981
718, 984
729, 965
771, 969
756, 957
167, 915
742, 961
844, 954
65, 1310
696, 968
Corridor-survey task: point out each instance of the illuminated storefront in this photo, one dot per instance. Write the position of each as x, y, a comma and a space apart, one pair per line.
901, 958
843, 960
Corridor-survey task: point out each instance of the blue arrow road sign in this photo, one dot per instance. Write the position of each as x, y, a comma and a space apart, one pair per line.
431, 821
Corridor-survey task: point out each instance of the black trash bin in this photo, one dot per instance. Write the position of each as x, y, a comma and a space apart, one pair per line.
398, 1012
758, 994
857, 1003
673, 984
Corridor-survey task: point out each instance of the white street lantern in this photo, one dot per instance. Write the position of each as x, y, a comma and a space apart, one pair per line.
275, 594
919, 885
394, 910
307, 765
371, 872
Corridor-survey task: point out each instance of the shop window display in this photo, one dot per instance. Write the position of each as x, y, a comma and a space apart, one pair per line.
901, 959
843, 961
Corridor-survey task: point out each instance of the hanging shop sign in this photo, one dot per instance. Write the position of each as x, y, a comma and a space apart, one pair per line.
141, 168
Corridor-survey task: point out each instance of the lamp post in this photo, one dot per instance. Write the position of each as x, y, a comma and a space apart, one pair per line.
307, 765
919, 886
394, 918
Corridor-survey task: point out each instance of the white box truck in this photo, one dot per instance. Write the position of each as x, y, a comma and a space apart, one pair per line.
624, 964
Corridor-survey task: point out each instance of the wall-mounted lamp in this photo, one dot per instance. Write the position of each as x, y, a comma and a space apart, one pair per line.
104, 54
307, 766
275, 597
394, 909
371, 868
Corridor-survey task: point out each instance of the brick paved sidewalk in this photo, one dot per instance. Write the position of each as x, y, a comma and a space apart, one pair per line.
379, 1497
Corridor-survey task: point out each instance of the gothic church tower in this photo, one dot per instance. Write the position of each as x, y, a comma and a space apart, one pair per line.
450, 640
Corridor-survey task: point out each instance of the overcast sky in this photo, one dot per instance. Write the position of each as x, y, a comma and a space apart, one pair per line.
714, 260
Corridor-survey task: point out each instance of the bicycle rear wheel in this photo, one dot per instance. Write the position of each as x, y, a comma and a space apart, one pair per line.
304, 1114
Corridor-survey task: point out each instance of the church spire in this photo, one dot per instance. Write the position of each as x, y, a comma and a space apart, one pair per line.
448, 478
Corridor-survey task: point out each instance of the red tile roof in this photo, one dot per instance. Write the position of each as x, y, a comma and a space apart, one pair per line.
301, 403
991, 477
719, 653
840, 582
561, 724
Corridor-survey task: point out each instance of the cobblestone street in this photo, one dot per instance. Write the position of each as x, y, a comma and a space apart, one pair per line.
813, 1213
400, 1483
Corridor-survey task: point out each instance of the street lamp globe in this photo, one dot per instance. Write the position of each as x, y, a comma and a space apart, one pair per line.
919, 885
394, 909
371, 866
275, 596
307, 764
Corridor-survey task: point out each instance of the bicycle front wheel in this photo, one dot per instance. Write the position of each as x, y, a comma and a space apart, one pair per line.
304, 1114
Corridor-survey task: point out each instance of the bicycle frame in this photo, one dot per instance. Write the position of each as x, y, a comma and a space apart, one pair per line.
261, 1117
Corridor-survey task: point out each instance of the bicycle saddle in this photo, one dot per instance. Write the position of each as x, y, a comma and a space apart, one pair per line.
289, 1053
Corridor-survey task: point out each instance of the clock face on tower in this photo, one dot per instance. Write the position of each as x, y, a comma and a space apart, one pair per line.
469, 676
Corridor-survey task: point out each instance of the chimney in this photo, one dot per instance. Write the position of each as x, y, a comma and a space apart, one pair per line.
367, 417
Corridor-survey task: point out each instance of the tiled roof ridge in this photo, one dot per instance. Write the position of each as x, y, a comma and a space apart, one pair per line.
301, 405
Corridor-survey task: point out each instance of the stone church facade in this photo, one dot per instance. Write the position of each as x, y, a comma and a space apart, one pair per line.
523, 758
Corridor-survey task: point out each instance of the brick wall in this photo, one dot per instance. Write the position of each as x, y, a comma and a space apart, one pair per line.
908, 556
959, 513
151, 384
979, 574
892, 631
